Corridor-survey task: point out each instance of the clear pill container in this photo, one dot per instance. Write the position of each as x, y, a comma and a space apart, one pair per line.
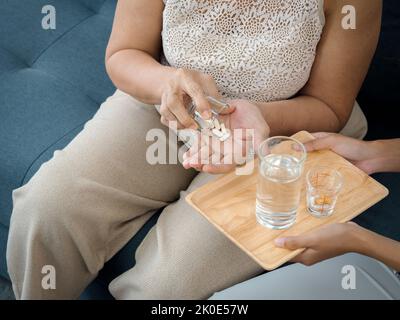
216, 108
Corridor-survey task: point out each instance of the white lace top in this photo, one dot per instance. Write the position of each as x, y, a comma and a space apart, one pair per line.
260, 50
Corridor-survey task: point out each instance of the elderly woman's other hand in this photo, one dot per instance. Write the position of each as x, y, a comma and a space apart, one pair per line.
248, 129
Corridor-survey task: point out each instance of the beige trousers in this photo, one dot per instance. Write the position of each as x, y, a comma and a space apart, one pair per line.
85, 204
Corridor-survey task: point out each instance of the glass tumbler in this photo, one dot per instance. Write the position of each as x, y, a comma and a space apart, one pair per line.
279, 181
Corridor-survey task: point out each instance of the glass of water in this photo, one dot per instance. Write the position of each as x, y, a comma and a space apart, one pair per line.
279, 181
323, 187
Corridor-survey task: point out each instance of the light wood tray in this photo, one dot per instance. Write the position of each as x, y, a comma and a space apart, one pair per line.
229, 204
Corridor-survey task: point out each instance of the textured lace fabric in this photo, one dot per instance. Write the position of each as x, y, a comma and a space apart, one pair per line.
260, 50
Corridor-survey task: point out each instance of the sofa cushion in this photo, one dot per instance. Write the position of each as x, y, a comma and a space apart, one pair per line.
51, 82
37, 111
3, 243
21, 29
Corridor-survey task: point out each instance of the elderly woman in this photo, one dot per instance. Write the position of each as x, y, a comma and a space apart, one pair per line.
282, 65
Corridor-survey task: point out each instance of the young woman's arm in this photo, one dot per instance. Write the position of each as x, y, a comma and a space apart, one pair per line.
376, 246
369, 156
342, 61
337, 239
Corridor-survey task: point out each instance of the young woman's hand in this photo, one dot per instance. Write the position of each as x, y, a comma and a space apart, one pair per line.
324, 243
336, 239
248, 129
182, 88
369, 156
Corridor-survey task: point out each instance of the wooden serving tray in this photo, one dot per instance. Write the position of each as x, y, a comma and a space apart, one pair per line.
229, 204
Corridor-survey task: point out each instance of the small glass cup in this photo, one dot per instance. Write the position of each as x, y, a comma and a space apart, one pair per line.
279, 181
323, 188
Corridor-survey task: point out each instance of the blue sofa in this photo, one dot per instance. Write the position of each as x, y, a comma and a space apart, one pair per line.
53, 81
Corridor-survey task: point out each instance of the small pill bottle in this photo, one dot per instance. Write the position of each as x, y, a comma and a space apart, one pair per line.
217, 107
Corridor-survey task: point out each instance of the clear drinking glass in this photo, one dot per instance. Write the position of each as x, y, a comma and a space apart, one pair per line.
279, 181
323, 187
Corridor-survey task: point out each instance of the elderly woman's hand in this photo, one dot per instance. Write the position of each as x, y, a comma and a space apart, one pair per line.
182, 88
248, 129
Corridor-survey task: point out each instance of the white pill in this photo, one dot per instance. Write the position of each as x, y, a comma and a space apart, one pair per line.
207, 132
223, 128
225, 137
209, 124
217, 133
227, 134
216, 124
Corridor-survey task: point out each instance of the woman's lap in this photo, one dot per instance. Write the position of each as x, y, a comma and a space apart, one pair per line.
90, 198
184, 257
85, 203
